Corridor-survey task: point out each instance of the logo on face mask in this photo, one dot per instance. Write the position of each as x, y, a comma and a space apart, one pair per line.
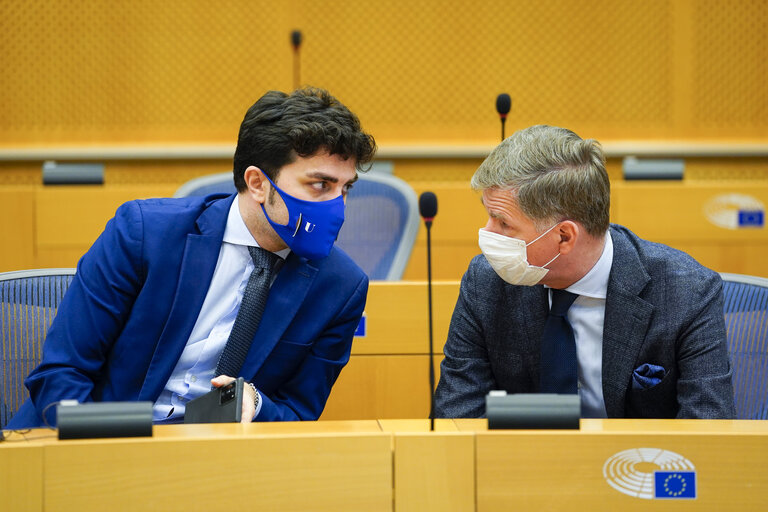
322, 221
509, 257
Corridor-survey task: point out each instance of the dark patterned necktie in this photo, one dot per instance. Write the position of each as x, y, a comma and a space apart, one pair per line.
559, 365
249, 315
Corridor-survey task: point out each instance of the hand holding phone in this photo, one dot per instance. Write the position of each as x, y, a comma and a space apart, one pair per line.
220, 405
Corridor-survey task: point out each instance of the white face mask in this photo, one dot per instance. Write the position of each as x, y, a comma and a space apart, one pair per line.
509, 258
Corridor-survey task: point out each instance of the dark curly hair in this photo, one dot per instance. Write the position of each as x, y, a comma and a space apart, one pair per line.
279, 127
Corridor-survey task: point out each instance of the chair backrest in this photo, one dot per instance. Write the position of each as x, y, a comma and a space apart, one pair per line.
222, 182
746, 322
381, 220
28, 303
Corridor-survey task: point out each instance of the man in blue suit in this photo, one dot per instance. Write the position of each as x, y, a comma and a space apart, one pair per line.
642, 333
154, 300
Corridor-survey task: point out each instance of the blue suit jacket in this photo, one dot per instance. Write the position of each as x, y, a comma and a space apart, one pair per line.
662, 308
131, 307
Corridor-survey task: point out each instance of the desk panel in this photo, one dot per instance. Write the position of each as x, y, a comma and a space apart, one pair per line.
385, 386
397, 317
433, 472
70, 218
382, 465
311, 471
17, 227
555, 470
21, 475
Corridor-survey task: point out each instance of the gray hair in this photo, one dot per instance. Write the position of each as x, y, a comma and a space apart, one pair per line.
554, 174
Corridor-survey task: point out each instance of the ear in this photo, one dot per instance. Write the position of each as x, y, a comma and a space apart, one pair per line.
257, 183
569, 232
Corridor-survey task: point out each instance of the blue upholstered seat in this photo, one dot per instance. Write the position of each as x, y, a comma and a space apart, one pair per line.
746, 321
28, 303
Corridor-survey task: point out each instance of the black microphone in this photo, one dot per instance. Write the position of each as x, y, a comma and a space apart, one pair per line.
296, 38
428, 210
503, 106
428, 207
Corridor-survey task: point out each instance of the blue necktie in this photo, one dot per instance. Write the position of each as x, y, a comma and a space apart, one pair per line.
249, 315
558, 365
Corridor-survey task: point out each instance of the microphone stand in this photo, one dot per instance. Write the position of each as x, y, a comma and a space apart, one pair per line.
428, 210
429, 300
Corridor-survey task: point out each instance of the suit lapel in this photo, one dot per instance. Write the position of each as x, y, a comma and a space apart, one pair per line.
201, 252
627, 318
285, 297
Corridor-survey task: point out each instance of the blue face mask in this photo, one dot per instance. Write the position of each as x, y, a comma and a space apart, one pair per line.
313, 226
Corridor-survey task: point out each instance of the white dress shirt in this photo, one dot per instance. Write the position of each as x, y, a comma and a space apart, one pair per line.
586, 317
192, 375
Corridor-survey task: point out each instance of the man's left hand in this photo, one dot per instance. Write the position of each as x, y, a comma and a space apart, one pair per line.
248, 397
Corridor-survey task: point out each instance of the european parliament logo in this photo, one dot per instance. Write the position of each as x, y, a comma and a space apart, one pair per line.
735, 211
651, 473
675, 484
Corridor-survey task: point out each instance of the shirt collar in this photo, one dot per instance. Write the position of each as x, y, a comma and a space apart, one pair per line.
595, 282
236, 232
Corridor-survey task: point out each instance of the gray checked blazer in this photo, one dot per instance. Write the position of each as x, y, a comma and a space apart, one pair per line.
662, 308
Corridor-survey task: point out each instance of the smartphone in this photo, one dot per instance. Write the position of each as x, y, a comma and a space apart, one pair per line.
220, 405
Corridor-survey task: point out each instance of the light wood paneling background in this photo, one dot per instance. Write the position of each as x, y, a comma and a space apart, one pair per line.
85, 72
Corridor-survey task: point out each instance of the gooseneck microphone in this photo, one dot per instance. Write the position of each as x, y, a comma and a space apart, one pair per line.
503, 106
296, 39
428, 210
428, 207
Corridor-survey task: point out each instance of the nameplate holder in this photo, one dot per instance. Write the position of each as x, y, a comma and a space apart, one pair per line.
653, 169
104, 419
55, 173
532, 411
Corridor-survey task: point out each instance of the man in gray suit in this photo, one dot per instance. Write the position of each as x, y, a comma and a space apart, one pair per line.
647, 320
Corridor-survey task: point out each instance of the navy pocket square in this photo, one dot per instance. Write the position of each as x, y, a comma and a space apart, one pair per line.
647, 376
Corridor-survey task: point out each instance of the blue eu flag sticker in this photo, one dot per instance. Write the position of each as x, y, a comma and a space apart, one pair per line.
360, 331
751, 218
675, 485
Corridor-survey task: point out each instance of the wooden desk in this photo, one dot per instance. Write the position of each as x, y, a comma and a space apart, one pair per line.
21, 473
393, 465
555, 470
432, 470
290, 466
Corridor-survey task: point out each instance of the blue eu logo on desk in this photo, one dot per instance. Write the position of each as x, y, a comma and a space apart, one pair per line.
675, 484
751, 218
360, 331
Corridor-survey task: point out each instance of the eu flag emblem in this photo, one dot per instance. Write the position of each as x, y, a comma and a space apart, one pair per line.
360, 331
675, 484
751, 218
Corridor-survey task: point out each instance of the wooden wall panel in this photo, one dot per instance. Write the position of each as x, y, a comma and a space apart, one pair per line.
384, 386
17, 227
144, 71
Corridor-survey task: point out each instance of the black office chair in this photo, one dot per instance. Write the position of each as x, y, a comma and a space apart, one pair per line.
28, 303
380, 226
746, 322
